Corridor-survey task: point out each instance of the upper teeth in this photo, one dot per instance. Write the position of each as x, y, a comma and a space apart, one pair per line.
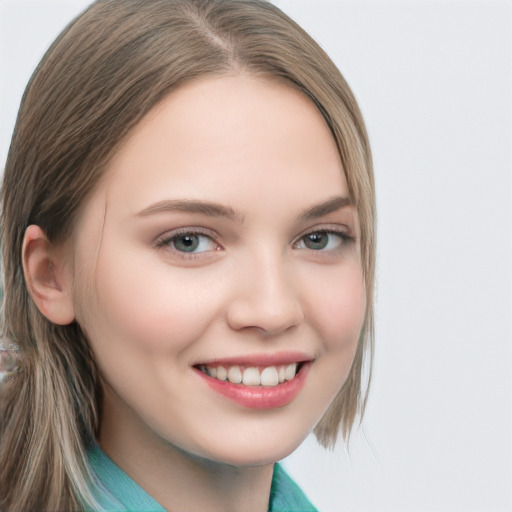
252, 376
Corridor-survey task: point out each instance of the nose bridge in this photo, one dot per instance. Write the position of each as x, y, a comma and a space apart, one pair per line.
266, 297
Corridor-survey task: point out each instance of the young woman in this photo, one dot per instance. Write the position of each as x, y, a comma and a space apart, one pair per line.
188, 252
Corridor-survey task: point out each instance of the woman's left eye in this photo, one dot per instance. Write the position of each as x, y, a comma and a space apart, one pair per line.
189, 243
321, 240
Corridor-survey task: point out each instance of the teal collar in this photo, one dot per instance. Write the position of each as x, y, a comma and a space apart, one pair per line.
116, 491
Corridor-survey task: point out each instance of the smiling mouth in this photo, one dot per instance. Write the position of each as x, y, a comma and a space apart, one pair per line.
257, 382
254, 376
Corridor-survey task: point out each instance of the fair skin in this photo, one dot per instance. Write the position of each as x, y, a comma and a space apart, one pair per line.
221, 235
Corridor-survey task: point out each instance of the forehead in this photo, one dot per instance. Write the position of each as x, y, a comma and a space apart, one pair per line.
234, 139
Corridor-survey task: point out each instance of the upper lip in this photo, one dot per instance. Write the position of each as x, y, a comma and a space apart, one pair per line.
262, 359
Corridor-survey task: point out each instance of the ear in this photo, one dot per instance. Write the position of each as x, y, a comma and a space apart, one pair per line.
48, 277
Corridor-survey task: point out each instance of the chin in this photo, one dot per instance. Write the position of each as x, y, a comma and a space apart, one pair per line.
256, 450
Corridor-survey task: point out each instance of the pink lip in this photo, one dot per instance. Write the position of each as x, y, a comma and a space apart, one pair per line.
259, 397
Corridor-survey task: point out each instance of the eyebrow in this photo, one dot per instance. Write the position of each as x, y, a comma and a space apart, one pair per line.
330, 206
218, 210
192, 206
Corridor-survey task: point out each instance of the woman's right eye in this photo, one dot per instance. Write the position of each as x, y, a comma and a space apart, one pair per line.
188, 243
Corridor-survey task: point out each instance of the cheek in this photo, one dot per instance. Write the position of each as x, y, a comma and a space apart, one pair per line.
335, 312
337, 308
144, 303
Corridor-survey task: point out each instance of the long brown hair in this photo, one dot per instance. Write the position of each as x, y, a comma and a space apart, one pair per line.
101, 76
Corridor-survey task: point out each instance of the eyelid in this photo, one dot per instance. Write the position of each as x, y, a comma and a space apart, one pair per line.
343, 232
163, 241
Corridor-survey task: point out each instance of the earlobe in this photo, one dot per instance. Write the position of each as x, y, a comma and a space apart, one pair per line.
47, 276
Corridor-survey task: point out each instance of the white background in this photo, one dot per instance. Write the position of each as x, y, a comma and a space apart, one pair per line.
434, 80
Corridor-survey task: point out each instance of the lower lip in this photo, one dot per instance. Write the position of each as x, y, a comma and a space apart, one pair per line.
260, 397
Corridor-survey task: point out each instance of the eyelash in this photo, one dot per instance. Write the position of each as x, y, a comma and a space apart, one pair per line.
167, 241
344, 238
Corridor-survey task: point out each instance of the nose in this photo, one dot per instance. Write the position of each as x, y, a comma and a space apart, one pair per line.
266, 298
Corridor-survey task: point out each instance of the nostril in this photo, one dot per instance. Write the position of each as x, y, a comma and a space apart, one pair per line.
268, 316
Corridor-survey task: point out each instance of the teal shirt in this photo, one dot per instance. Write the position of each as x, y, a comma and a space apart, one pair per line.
117, 492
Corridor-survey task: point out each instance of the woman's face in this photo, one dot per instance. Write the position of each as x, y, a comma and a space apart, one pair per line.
222, 245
